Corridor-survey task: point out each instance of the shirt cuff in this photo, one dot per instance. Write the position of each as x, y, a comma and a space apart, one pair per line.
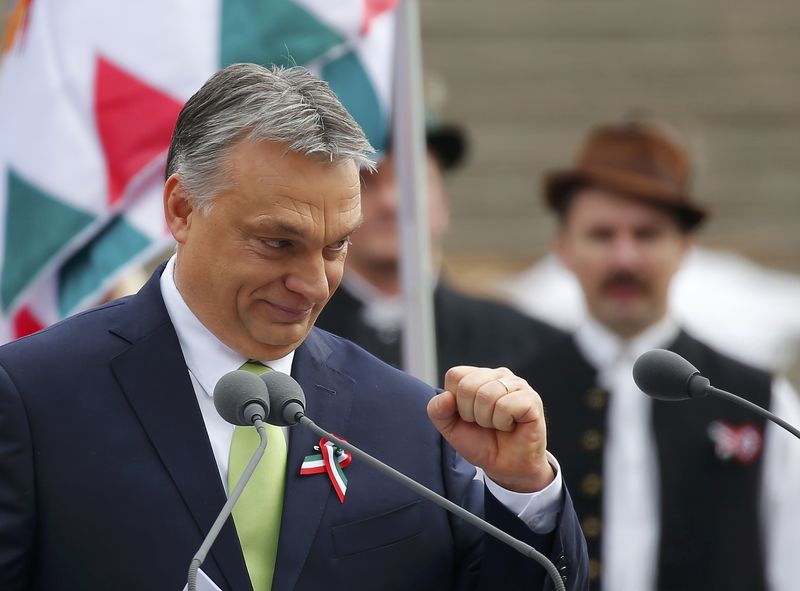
538, 510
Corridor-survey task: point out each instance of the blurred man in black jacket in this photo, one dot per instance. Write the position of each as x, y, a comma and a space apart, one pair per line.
368, 309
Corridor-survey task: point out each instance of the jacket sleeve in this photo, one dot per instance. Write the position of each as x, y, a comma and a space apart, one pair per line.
565, 547
486, 563
17, 514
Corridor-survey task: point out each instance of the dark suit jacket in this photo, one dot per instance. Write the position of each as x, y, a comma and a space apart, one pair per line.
469, 331
108, 480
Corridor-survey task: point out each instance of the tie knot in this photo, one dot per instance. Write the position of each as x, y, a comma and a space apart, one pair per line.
255, 367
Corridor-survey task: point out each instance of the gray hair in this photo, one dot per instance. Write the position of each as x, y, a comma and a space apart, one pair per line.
247, 101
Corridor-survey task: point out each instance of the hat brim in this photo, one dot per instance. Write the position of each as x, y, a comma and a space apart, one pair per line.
560, 184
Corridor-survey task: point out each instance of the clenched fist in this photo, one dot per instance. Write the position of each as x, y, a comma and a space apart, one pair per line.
495, 420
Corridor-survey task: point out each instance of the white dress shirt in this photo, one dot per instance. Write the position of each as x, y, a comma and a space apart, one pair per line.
208, 359
383, 313
631, 489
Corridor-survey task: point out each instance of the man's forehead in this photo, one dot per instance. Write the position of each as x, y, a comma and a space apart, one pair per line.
290, 215
597, 204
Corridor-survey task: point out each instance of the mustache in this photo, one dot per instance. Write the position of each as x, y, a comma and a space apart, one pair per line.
624, 279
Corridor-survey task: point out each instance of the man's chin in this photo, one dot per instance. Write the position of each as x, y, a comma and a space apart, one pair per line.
626, 319
628, 326
279, 338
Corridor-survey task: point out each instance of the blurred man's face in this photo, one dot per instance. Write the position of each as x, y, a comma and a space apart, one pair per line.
624, 254
376, 245
259, 267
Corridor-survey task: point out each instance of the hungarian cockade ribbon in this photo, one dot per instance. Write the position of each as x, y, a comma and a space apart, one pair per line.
331, 460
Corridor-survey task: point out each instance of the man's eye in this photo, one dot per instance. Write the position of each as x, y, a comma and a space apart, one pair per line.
276, 243
600, 235
339, 245
648, 234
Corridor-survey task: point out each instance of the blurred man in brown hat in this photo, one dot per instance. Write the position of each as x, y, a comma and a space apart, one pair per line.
670, 496
368, 309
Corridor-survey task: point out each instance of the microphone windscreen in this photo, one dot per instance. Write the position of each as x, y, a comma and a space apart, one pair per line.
664, 375
235, 391
286, 398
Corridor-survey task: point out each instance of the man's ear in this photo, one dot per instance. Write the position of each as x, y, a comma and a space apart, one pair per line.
688, 244
177, 208
560, 246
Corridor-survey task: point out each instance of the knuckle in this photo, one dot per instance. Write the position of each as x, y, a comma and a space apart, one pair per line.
504, 405
484, 396
507, 401
502, 419
453, 373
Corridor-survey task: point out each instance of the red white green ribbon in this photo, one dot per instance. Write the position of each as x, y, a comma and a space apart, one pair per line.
332, 460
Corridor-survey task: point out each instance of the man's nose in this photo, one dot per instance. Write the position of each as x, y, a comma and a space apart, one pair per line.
308, 278
626, 252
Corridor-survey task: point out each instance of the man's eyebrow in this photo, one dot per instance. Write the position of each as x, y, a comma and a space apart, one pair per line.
288, 229
357, 225
281, 227
346, 235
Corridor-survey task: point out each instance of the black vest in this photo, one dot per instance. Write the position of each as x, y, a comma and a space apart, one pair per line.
469, 331
710, 537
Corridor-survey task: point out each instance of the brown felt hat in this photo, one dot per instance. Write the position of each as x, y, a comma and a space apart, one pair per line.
634, 159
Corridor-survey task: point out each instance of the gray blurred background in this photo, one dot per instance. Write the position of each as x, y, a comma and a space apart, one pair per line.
527, 78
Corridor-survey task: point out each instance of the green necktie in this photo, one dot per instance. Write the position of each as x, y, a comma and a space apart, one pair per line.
257, 514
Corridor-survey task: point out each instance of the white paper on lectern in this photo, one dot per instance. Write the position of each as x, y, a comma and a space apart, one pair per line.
203, 583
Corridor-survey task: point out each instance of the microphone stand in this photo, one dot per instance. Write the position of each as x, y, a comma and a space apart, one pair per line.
421, 490
753, 407
200, 556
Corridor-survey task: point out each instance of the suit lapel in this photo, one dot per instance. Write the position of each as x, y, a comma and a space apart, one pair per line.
328, 402
152, 373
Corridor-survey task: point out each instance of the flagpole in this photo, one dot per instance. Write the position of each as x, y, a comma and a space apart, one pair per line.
408, 129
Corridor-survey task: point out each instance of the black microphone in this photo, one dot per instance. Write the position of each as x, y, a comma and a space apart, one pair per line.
240, 398
287, 402
665, 375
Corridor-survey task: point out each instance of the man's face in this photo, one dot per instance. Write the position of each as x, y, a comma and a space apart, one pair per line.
624, 254
259, 267
377, 242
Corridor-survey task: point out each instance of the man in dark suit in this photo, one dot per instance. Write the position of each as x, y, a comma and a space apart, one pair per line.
114, 464
368, 308
670, 496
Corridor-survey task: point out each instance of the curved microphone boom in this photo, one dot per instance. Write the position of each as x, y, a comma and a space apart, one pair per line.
240, 398
665, 375
287, 402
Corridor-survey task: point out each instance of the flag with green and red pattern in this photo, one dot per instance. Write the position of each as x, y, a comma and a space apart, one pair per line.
89, 94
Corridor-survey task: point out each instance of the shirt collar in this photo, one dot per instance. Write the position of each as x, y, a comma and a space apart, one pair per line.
602, 348
379, 311
207, 358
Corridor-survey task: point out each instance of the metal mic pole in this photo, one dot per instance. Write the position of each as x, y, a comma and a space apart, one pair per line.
753, 407
200, 556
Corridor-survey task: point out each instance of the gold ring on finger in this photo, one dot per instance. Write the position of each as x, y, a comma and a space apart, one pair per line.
506, 386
